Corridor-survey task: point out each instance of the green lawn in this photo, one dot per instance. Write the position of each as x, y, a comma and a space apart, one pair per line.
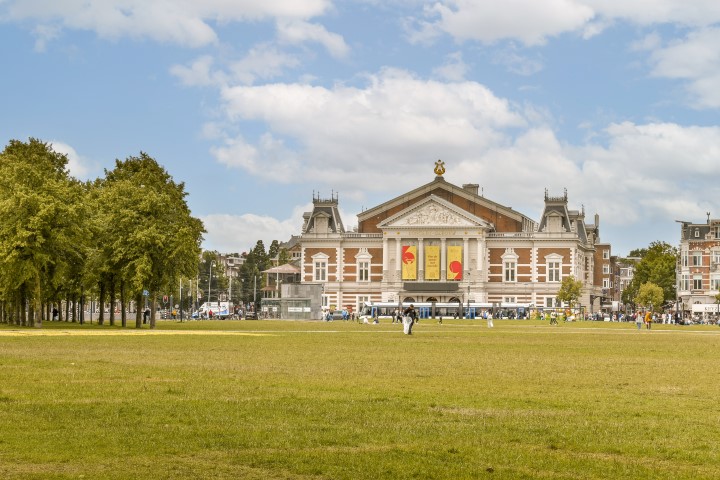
340, 400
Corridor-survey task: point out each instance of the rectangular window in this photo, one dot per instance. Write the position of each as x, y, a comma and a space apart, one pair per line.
606, 269
716, 258
363, 271
361, 300
606, 254
509, 299
549, 302
684, 258
717, 232
509, 271
320, 271
685, 282
696, 259
553, 269
697, 282
715, 283
606, 283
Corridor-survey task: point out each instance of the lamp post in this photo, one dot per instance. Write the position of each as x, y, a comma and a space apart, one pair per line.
467, 275
210, 283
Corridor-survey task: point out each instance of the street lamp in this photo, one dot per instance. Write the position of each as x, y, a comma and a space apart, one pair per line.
210, 283
467, 276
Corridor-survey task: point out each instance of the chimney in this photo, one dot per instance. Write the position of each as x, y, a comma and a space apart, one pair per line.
471, 187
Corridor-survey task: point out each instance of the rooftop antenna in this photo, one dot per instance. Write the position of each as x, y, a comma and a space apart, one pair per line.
708, 215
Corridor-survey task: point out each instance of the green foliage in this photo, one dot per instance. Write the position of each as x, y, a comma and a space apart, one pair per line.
570, 291
650, 296
283, 257
657, 266
42, 230
131, 230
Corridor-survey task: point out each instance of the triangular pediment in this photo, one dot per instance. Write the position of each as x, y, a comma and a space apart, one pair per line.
434, 212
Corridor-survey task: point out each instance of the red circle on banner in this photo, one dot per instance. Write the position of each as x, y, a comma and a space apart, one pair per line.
408, 257
456, 268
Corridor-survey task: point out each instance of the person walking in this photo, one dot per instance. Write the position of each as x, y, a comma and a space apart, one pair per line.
639, 320
648, 320
489, 319
409, 319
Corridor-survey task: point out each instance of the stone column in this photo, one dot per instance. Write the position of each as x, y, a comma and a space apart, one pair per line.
386, 267
443, 260
398, 259
421, 260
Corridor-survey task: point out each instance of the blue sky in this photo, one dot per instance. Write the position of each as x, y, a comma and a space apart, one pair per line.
256, 105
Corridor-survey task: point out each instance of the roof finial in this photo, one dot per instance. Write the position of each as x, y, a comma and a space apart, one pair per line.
439, 168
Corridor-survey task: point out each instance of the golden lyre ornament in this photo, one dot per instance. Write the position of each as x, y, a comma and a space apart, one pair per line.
439, 168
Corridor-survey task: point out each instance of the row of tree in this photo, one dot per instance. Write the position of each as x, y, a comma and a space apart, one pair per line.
119, 237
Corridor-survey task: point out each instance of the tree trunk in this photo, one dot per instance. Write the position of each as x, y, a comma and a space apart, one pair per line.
111, 294
153, 309
38, 310
138, 311
123, 306
101, 303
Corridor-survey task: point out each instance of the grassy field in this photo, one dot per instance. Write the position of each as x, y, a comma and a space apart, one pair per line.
340, 400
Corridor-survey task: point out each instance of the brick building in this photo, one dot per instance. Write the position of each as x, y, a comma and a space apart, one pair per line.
698, 272
446, 243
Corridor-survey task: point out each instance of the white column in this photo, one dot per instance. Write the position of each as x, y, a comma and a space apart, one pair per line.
340, 264
421, 260
466, 258
385, 257
443, 260
480, 254
398, 259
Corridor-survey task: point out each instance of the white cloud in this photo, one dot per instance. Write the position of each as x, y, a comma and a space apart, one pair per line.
696, 13
528, 21
199, 73
78, 166
43, 35
270, 158
454, 69
299, 31
516, 62
651, 171
183, 22
240, 233
533, 22
262, 62
330, 134
696, 59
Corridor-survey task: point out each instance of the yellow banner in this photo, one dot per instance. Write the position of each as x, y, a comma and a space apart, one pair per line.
409, 262
454, 263
432, 262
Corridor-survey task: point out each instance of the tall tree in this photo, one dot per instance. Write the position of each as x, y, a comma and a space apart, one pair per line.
40, 225
570, 291
656, 266
156, 239
650, 296
274, 250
